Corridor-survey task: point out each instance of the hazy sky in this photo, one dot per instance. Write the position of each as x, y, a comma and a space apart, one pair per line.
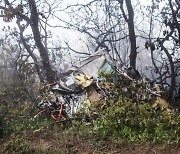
75, 38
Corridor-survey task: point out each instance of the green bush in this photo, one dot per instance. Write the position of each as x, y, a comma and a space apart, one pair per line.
16, 118
127, 121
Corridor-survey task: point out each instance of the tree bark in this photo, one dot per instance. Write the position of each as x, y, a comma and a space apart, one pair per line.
171, 63
50, 74
132, 37
28, 48
173, 76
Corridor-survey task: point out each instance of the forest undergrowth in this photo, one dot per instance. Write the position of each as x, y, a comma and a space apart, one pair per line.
119, 120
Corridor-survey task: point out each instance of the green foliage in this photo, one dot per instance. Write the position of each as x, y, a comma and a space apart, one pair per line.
80, 129
21, 145
124, 120
21, 84
17, 91
18, 125
10, 13
15, 104
121, 86
16, 118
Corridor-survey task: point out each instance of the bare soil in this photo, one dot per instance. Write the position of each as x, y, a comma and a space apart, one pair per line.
66, 144
82, 145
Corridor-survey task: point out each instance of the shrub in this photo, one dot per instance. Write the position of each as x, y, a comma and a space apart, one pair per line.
125, 120
16, 118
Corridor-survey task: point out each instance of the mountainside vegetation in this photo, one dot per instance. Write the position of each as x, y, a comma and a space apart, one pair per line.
136, 97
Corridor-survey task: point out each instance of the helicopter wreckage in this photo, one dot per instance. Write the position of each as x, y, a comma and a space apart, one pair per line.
82, 83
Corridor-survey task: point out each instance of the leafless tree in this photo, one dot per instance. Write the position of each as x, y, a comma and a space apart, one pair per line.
167, 43
28, 15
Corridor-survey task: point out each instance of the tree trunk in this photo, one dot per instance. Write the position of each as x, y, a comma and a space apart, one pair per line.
50, 74
28, 48
132, 36
171, 63
173, 76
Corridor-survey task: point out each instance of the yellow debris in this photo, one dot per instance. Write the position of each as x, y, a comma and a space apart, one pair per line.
84, 80
87, 102
161, 102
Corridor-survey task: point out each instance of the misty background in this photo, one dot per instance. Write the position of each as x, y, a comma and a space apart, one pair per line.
141, 34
